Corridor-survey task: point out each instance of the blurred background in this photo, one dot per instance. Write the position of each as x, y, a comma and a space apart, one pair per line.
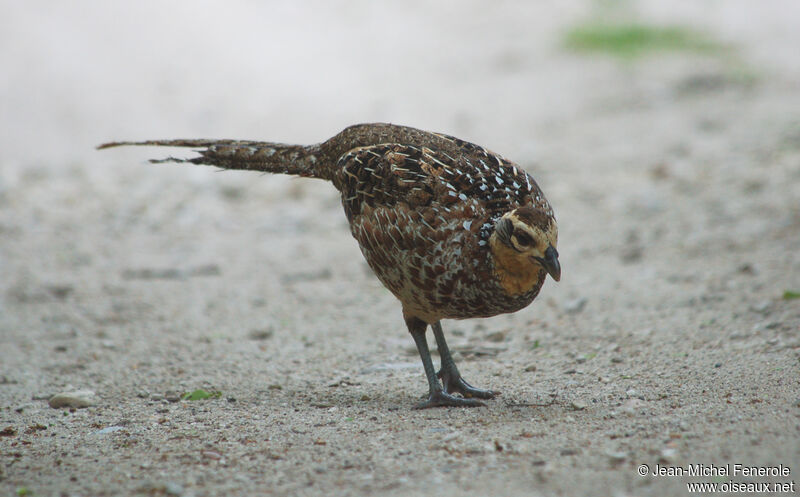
623, 110
85, 72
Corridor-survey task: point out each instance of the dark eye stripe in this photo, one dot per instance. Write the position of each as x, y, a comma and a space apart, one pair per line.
523, 239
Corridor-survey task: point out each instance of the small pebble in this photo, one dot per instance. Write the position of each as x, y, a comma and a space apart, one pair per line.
631, 253
617, 456
60, 291
668, 455
578, 405
168, 488
530, 368
260, 334
172, 488
575, 306
389, 366
497, 336
172, 397
632, 406
108, 429
450, 436
746, 268
77, 398
762, 307
156, 396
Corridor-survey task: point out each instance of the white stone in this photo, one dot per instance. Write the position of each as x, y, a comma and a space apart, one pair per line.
76, 398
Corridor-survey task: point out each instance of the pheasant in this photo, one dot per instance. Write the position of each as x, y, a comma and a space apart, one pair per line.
452, 229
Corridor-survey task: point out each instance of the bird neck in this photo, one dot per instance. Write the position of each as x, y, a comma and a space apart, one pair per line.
516, 274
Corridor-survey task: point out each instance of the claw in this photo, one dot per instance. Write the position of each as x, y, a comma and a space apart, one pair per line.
442, 399
456, 384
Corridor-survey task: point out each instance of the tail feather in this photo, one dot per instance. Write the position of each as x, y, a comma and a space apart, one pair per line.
243, 155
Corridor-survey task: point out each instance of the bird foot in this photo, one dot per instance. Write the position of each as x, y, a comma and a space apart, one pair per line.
442, 399
456, 384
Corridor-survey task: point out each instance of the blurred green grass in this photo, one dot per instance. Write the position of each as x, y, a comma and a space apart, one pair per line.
629, 40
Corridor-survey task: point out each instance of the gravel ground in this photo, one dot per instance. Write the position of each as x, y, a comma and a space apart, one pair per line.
671, 340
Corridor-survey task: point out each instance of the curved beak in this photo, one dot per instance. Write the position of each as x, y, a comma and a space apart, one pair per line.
550, 262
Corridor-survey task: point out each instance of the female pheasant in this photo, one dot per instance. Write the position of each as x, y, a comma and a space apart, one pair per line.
451, 229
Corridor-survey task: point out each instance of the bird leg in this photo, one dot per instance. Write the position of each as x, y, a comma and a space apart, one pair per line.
437, 397
451, 378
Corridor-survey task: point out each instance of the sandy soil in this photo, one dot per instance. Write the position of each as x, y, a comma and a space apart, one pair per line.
675, 178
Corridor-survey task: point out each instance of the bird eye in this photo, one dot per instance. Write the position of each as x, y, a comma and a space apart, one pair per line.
523, 239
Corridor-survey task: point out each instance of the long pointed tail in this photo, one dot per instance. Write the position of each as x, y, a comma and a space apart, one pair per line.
245, 155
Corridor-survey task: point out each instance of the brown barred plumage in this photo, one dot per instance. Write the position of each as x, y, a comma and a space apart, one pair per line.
453, 230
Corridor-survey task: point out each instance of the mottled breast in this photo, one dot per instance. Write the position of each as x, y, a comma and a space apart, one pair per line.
423, 216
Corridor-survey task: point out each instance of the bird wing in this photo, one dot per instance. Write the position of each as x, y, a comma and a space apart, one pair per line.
419, 177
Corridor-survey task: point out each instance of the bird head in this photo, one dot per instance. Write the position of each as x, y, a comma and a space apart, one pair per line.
525, 239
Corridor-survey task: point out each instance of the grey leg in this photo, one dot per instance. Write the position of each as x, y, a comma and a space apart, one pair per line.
437, 397
451, 378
